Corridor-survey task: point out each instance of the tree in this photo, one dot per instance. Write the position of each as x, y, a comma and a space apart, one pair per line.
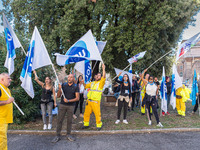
129, 26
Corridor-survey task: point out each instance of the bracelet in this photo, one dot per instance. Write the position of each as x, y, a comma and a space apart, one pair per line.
67, 100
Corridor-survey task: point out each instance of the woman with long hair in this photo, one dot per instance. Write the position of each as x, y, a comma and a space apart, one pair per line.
46, 102
81, 100
150, 98
124, 98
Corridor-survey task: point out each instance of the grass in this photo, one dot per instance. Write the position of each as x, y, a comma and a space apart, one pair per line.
135, 119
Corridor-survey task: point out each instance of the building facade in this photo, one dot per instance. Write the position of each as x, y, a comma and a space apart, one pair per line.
188, 63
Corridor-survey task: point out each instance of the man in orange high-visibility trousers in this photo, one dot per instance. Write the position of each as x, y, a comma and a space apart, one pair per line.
182, 95
6, 109
94, 99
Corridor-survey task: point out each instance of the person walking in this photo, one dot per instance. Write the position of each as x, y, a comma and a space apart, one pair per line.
150, 99
94, 99
81, 99
71, 93
6, 109
47, 101
124, 98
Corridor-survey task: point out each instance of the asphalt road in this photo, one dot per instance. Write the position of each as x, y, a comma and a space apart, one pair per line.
151, 141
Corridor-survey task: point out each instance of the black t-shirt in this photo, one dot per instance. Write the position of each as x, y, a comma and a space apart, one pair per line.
69, 92
157, 83
46, 94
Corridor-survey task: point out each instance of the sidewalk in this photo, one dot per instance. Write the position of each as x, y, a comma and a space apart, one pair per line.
84, 132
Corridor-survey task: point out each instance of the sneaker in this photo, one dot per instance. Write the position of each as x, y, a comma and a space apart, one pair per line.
49, 126
71, 138
168, 113
150, 123
74, 116
81, 115
117, 121
125, 121
85, 127
56, 139
163, 113
44, 127
159, 125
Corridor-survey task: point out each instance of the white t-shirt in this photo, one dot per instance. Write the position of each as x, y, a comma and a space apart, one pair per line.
151, 89
81, 88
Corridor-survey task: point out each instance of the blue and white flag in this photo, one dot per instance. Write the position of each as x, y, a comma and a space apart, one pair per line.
12, 43
130, 75
84, 49
175, 84
185, 46
37, 57
101, 45
84, 67
136, 57
194, 88
163, 92
130, 69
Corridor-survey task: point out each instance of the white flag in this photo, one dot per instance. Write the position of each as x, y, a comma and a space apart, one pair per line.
136, 57
185, 47
37, 57
163, 92
175, 84
130, 75
12, 43
85, 49
101, 45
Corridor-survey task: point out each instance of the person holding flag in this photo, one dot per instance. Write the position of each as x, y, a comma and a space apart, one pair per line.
94, 99
6, 109
150, 98
46, 102
124, 98
182, 95
69, 96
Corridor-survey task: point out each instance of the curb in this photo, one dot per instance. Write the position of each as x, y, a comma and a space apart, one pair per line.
84, 132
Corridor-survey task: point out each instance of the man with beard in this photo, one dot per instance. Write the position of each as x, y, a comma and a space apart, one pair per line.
71, 92
94, 99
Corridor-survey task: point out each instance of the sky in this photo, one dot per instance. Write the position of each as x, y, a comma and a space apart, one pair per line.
187, 33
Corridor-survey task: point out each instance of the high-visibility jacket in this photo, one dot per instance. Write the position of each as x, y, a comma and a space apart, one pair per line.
6, 111
96, 89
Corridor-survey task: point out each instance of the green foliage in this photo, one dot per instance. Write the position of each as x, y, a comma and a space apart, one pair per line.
29, 106
129, 26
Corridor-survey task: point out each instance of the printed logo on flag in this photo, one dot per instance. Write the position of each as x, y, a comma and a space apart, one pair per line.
79, 49
10, 44
28, 61
88, 73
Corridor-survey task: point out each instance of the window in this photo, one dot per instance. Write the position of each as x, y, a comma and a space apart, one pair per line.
181, 74
181, 67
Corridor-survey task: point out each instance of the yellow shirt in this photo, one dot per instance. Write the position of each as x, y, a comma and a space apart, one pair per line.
101, 84
6, 111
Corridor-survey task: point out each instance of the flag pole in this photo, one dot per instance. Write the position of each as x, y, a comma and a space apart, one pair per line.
57, 79
122, 70
94, 66
159, 59
13, 101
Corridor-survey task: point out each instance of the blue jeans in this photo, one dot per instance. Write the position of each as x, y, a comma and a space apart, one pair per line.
116, 95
